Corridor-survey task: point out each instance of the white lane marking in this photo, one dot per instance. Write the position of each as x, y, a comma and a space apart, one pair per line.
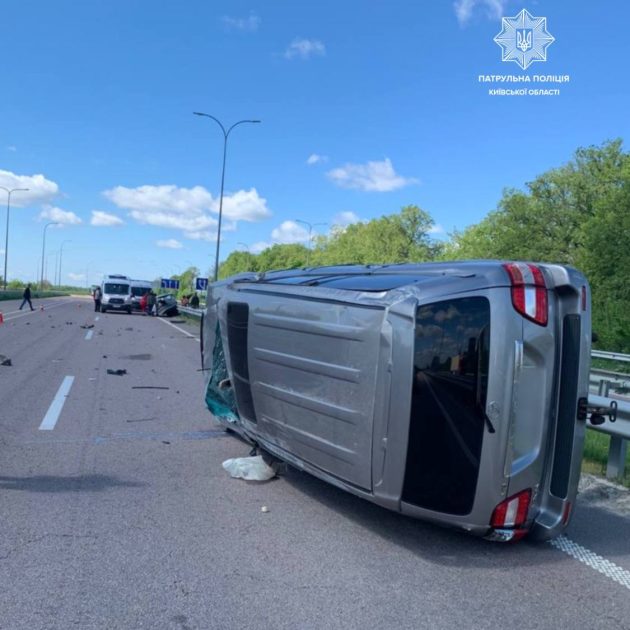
52, 415
88, 335
178, 328
593, 560
96, 318
18, 313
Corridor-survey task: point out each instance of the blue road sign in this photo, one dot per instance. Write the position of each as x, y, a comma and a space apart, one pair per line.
167, 283
201, 284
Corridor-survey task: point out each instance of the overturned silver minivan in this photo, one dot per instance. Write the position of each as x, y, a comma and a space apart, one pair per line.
451, 392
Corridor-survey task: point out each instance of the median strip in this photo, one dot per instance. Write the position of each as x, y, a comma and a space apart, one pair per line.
54, 411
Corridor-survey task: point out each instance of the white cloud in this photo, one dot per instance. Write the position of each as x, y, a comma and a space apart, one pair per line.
248, 24
40, 189
65, 217
260, 246
345, 218
373, 176
437, 229
170, 243
188, 209
290, 232
12, 148
464, 9
314, 159
305, 49
244, 205
104, 219
76, 276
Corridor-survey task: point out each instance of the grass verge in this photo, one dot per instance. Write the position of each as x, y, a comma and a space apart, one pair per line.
596, 456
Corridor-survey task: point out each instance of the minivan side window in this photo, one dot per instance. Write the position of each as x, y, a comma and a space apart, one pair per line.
451, 355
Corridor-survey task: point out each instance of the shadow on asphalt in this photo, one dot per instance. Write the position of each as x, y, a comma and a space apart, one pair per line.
451, 547
53, 483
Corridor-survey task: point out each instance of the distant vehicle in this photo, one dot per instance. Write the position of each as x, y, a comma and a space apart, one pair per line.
167, 305
452, 392
116, 291
138, 289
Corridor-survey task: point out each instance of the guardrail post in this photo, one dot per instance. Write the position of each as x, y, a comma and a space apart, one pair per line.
616, 457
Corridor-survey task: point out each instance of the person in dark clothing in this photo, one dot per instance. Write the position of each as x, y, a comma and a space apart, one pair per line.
27, 297
194, 300
151, 303
98, 296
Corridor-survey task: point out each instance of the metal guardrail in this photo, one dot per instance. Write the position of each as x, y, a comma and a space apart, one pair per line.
613, 356
193, 312
601, 382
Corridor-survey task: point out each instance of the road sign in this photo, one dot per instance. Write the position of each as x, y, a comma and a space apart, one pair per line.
201, 284
168, 283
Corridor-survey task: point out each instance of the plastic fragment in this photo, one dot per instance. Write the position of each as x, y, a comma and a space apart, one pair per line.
249, 468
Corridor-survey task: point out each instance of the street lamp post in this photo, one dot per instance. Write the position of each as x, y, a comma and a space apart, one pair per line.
225, 139
6, 241
60, 257
310, 229
41, 282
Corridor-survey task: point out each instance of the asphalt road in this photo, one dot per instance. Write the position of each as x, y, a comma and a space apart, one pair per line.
117, 512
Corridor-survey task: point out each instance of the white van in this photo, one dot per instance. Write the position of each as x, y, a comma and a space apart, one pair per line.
116, 291
138, 289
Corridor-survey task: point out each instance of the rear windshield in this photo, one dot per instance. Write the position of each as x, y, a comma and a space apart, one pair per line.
116, 288
138, 291
448, 404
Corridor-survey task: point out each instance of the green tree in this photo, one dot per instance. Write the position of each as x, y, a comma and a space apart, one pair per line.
402, 237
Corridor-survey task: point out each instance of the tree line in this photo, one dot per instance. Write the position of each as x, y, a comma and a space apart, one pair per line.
576, 214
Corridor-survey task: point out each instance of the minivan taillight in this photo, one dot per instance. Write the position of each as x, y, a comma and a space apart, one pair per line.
529, 291
512, 512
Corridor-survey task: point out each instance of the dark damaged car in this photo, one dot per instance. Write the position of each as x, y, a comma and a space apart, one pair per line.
451, 392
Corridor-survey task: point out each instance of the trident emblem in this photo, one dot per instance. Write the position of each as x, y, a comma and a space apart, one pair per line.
524, 39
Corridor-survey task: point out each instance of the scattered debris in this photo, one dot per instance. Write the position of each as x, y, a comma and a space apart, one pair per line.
87, 326
249, 468
264, 509
129, 328
165, 442
142, 420
117, 372
69, 323
138, 357
5, 360
104, 356
149, 387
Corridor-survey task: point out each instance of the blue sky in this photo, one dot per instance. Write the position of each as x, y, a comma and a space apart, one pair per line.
365, 107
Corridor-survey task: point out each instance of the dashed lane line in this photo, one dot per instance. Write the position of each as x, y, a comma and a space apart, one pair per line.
88, 335
593, 560
54, 411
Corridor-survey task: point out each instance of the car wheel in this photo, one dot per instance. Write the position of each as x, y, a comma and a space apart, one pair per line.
129, 311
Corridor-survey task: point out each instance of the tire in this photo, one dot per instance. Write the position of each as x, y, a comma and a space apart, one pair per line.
129, 310
103, 309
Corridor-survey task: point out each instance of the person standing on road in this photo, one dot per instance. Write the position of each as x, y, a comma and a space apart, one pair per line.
27, 297
98, 296
151, 303
194, 301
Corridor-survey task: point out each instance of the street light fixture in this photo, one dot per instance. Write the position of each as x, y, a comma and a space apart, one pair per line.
41, 282
6, 242
225, 139
310, 229
60, 257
